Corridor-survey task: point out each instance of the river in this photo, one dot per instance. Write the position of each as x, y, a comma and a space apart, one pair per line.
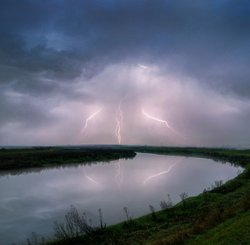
30, 201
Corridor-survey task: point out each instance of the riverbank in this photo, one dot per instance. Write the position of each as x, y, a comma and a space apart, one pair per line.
217, 216
40, 157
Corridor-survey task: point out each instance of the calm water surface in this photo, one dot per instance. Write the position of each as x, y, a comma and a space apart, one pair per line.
32, 201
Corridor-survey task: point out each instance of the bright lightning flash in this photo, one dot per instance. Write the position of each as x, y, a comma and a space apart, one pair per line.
159, 120
155, 118
89, 118
118, 128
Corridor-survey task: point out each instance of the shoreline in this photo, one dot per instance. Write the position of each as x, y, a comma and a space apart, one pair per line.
44, 157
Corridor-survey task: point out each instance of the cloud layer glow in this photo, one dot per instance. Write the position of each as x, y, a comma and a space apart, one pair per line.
185, 62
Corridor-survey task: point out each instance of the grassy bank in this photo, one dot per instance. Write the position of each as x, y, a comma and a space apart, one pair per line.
39, 157
217, 216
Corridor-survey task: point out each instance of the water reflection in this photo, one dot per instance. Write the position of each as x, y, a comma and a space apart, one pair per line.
159, 174
6, 173
32, 201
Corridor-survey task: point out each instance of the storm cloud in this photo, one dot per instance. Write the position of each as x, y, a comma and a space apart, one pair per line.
186, 62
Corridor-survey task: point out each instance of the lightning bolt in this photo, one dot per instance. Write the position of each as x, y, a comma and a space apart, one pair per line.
90, 118
160, 121
159, 174
118, 127
155, 118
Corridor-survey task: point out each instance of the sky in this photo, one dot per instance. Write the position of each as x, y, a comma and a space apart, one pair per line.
163, 72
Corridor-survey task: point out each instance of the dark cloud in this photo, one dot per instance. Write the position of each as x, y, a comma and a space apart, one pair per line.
84, 52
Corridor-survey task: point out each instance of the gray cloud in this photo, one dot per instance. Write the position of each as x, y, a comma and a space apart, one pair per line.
60, 56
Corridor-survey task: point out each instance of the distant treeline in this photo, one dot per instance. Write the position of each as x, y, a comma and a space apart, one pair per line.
22, 158
236, 156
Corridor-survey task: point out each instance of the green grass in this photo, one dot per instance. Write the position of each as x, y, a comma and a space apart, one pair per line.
233, 231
